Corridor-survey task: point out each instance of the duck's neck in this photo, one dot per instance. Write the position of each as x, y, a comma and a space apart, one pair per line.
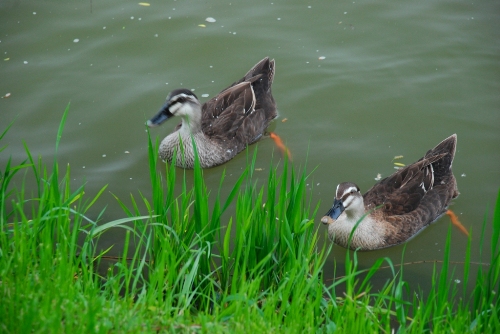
367, 236
355, 211
190, 124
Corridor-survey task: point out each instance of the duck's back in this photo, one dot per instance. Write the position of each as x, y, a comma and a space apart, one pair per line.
239, 114
418, 194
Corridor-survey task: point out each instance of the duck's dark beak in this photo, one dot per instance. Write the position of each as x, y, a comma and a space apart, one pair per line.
161, 116
334, 212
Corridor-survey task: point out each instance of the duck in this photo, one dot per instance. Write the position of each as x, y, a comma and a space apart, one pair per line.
397, 207
222, 127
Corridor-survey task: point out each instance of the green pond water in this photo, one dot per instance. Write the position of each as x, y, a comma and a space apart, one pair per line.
359, 83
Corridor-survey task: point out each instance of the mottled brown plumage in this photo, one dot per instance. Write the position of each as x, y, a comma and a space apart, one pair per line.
397, 207
224, 125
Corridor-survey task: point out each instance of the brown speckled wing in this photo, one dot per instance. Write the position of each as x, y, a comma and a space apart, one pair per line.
264, 68
442, 167
402, 191
223, 115
416, 195
406, 190
242, 111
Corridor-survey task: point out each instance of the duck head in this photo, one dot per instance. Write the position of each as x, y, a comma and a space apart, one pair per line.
348, 198
180, 102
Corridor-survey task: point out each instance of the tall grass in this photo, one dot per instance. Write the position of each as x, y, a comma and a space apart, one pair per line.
195, 261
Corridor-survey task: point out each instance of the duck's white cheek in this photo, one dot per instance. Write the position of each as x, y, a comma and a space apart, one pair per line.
174, 108
347, 203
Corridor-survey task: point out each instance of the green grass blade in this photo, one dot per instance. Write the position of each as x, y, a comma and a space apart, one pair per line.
115, 223
61, 127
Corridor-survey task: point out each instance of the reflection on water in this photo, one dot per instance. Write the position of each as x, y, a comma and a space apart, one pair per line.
358, 82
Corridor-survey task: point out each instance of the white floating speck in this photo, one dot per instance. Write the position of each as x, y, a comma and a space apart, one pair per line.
321, 58
210, 19
139, 18
463, 175
457, 281
25, 62
127, 152
309, 6
317, 184
279, 18
205, 95
156, 35
104, 27
76, 40
104, 155
83, 167
379, 176
345, 13
34, 13
131, 17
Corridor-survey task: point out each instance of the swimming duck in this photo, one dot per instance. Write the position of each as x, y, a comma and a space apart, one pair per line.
223, 126
397, 207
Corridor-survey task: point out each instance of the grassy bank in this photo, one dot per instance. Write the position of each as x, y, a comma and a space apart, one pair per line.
248, 261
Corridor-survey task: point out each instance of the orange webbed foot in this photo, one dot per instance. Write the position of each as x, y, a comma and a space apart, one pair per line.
456, 222
277, 140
